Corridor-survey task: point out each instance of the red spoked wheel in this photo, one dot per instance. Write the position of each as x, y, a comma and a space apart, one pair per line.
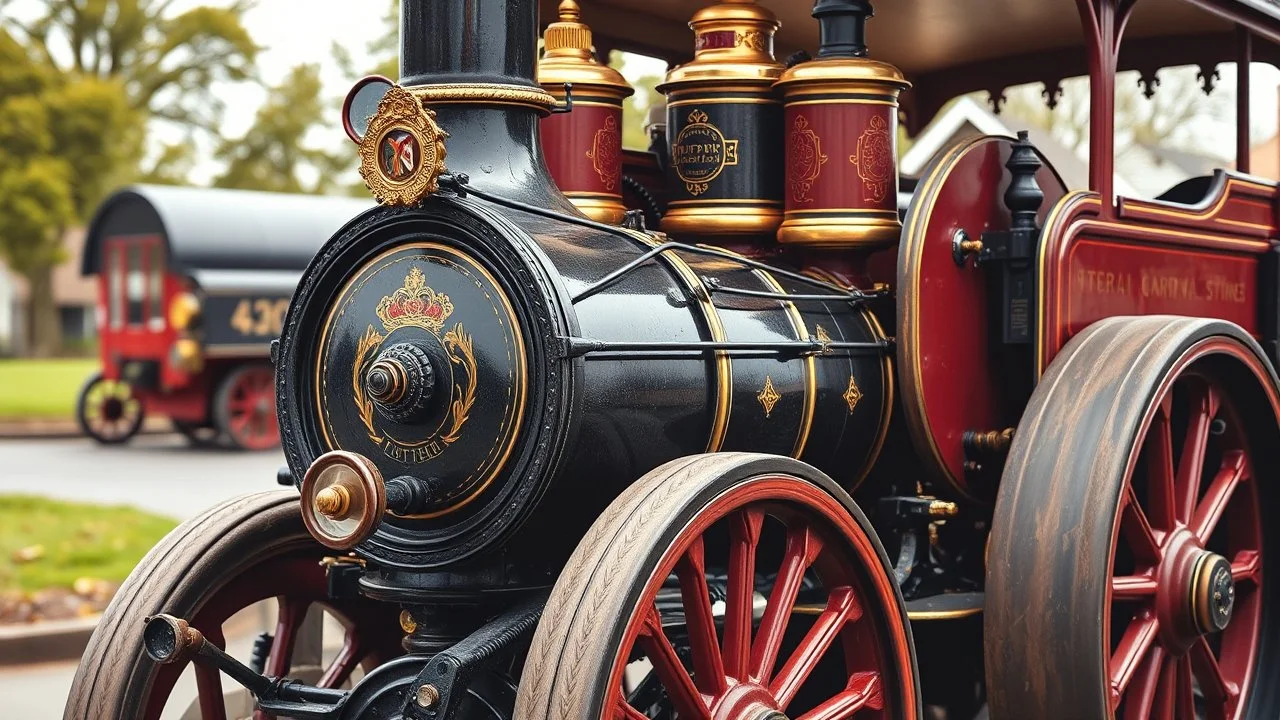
632, 630
207, 570
1165, 543
245, 408
108, 411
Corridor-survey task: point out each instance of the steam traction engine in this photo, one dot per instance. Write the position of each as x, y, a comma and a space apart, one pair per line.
567, 464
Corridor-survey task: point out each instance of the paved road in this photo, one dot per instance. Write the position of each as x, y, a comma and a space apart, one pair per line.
159, 473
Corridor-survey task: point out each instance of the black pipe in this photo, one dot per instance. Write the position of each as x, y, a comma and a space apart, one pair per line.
468, 41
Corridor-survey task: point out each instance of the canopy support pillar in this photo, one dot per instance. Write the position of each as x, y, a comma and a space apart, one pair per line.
1103, 22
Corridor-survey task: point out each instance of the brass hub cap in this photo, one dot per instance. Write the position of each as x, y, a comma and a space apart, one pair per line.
1213, 593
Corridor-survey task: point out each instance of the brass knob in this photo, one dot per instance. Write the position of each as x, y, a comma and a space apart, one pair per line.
343, 499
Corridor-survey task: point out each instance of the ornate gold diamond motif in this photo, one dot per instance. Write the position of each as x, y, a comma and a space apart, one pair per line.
415, 305
768, 397
402, 152
852, 395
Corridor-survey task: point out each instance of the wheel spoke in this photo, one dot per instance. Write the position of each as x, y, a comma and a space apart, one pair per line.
344, 663
1135, 643
1132, 587
1142, 693
1160, 474
842, 607
1136, 529
1216, 688
1167, 691
289, 617
1234, 470
1201, 409
803, 546
209, 686
863, 691
1184, 690
209, 683
708, 667
744, 536
680, 688
1246, 566
624, 710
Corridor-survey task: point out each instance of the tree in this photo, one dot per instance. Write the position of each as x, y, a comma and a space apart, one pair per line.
274, 154
59, 138
167, 63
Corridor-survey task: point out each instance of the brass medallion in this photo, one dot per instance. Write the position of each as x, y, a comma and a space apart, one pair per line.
768, 397
402, 152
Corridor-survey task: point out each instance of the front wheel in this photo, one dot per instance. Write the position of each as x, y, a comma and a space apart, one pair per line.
108, 411
689, 553
1130, 544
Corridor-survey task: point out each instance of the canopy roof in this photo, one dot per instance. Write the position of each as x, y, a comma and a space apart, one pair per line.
212, 229
949, 47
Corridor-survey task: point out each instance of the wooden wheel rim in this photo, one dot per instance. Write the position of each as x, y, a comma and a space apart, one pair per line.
744, 680
1169, 533
251, 408
1063, 584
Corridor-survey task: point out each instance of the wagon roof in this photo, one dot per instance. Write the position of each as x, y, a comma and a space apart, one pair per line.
948, 47
222, 229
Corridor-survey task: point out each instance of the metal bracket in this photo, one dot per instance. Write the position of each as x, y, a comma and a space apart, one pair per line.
568, 101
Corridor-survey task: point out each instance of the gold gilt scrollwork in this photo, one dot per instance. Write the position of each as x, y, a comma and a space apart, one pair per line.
753, 39
402, 153
418, 305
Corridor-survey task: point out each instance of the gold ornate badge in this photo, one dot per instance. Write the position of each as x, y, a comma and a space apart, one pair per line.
605, 153
402, 152
874, 159
768, 397
806, 159
701, 152
416, 304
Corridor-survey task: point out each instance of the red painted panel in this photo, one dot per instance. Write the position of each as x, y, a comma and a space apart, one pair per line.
841, 155
1107, 278
584, 148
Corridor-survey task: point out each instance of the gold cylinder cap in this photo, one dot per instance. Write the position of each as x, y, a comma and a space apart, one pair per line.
734, 42
843, 74
568, 58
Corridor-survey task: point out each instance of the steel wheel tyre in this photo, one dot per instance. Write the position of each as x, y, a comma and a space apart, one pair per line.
245, 408
746, 513
108, 411
1126, 568
243, 551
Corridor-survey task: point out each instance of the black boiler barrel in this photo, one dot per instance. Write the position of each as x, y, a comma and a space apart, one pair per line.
468, 41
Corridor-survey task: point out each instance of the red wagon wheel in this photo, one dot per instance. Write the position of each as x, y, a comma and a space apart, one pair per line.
108, 411
636, 592
237, 554
245, 408
1131, 520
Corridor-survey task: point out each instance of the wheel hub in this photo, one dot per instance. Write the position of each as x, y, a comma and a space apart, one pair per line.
1213, 593
113, 409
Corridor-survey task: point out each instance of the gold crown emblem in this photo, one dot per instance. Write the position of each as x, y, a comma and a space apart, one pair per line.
415, 305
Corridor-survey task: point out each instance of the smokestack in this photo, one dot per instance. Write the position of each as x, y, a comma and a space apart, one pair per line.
472, 62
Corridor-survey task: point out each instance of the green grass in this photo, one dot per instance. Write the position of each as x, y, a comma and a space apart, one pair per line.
42, 389
77, 540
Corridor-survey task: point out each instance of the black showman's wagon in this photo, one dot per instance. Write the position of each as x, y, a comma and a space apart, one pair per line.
749, 427
193, 286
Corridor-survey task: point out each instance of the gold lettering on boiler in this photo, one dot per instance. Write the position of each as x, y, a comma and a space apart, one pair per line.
1158, 285
701, 152
417, 305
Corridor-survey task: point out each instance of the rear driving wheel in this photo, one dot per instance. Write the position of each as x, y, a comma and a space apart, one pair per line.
108, 411
682, 602
1131, 520
245, 408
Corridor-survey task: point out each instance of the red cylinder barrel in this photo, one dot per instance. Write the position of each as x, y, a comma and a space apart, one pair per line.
583, 147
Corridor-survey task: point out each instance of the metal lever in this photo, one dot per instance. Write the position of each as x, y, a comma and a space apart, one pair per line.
168, 640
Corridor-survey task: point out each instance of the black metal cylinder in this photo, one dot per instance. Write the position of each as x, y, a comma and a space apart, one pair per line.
468, 41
